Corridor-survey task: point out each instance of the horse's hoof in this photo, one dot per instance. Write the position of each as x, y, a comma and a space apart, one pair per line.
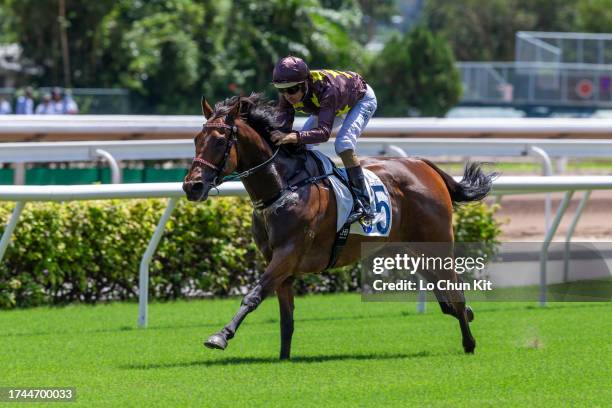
469, 313
469, 347
216, 341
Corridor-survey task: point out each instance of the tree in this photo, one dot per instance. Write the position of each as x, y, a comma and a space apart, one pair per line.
484, 30
595, 16
415, 75
36, 26
6, 35
152, 49
258, 33
477, 29
170, 52
549, 15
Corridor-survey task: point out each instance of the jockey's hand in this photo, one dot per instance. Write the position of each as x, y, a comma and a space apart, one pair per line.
280, 138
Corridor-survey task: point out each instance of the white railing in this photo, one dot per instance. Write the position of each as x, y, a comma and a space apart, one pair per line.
116, 151
44, 152
117, 127
504, 185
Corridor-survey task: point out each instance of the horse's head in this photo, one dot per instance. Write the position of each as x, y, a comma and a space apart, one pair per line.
215, 152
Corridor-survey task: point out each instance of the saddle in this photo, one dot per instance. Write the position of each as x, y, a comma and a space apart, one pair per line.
318, 166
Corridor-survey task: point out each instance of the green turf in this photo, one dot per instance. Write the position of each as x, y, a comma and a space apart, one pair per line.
346, 353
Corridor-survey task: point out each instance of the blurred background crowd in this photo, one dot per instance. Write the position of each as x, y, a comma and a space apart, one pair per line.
29, 102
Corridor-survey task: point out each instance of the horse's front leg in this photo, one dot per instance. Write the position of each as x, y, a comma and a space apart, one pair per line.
284, 292
280, 268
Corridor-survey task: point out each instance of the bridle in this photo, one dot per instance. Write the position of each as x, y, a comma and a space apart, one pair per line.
232, 140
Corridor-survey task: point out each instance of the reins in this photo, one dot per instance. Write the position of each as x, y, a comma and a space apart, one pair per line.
252, 170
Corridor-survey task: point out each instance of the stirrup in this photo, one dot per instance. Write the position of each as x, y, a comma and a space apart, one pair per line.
366, 218
366, 221
354, 216
361, 216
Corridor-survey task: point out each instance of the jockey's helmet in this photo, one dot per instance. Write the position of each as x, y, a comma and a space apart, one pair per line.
289, 71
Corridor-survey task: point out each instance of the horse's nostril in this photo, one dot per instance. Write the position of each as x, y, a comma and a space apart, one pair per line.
197, 187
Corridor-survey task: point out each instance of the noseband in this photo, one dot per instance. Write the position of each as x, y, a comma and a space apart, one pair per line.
232, 141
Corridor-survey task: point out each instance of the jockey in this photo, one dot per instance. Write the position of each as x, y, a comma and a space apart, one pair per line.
328, 96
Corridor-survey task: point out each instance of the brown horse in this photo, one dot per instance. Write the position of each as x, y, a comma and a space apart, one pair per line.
295, 228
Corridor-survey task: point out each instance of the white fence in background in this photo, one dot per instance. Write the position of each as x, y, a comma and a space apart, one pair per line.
44, 152
504, 185
106, 127
114, 152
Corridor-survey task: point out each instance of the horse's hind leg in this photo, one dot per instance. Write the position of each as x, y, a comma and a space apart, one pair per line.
456, 299
285, 302
452, 302
469, 344
447, 307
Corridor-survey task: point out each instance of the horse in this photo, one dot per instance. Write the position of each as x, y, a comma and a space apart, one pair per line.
295, 228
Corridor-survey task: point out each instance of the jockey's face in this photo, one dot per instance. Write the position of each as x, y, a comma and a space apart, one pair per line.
294, 94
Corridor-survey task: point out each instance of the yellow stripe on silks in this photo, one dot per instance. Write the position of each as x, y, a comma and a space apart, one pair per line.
298, 105
335, 73
343, 111
315, 100
331, 72
316, 76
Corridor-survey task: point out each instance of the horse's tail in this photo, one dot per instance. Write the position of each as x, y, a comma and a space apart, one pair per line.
474, 186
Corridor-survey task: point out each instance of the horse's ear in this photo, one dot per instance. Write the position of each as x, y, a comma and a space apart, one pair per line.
206, 109
235, 111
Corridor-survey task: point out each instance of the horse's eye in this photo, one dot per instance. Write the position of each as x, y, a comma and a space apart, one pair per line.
218, 140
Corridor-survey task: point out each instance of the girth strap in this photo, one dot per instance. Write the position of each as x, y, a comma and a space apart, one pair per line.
339, 242
292, 188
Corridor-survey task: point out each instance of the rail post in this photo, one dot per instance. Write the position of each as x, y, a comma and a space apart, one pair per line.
114, 166
10, 227
547, 170
570, 233
550, 233
143, 279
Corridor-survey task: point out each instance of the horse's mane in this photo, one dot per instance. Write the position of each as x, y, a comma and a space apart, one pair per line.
256, 110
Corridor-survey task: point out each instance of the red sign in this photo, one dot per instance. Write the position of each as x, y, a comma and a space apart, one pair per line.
584, 88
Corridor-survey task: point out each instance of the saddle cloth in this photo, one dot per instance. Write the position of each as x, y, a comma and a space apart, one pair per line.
379, 199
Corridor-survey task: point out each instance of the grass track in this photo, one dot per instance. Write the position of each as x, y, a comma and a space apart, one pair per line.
346, 353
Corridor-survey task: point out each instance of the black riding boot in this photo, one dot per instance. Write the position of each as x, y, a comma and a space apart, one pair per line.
362, 211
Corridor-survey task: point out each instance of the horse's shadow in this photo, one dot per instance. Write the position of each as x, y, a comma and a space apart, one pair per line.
273, 360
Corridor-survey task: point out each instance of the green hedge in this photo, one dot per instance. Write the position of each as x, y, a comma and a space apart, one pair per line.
90, 252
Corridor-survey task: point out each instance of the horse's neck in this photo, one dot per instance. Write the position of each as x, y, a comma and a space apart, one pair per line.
269, 181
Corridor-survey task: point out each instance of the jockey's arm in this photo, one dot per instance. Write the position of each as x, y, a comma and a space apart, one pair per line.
284, 134
327, 114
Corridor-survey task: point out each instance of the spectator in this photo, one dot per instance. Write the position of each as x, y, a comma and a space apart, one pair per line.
25, 102
5, 107
70, 106
57, 101
46, 107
